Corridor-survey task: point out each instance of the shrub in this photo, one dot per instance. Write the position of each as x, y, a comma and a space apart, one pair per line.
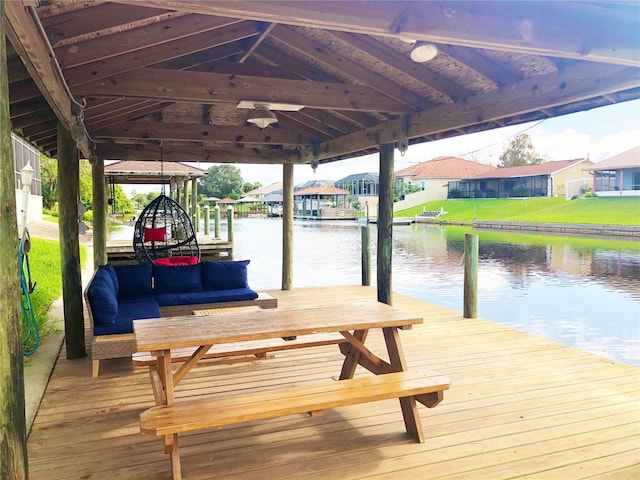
521, 191
455, 193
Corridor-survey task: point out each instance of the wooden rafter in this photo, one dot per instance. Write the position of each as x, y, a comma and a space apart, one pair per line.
522, 27
169, 85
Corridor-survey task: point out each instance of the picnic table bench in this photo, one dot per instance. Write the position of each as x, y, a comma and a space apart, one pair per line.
352, 321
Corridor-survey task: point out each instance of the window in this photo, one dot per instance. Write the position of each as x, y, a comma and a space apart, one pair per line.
606, 180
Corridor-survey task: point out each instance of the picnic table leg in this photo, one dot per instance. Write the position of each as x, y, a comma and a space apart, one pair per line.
399, 364
165, 372
352, 355
176, 469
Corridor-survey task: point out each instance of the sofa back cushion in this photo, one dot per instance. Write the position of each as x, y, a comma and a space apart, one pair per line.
111, 275
134, 279
102, 298
177, 278
224, 275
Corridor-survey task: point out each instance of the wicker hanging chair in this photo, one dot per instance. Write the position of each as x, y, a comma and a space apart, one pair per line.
164, 234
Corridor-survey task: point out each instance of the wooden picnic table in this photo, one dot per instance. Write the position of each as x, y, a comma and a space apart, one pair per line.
351, 320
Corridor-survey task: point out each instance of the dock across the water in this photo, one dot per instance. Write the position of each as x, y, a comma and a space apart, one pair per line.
121, 251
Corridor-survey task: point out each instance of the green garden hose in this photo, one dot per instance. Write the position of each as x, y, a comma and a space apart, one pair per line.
30, 333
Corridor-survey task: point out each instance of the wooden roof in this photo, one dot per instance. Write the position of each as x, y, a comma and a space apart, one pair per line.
627, 159
444, 167
546, 168
138, 172
132, 74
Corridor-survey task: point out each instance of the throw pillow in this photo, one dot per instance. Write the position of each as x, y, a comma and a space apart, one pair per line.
155, 234
177, 278
224, 275
134, 279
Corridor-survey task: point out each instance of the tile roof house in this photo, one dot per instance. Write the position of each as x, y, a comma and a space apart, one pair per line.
618, 175
433, 175
543, 180
261, 192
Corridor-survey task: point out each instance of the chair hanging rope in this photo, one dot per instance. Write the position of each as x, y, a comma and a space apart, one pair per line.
163, 233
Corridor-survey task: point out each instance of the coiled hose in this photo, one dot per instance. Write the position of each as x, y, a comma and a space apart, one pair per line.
30, 333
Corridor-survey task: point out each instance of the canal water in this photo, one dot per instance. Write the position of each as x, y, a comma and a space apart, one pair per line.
577, 292
581, 292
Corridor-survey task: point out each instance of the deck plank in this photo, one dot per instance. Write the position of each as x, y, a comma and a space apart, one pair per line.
519, 406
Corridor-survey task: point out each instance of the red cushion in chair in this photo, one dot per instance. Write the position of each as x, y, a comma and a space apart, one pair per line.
155, 234
180, 260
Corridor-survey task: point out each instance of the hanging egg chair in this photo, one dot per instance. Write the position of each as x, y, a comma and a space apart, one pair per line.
164, 234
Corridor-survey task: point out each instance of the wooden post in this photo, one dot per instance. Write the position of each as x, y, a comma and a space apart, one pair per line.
366, 256
100, 225
207, 220
196, 219
185, 196
385, 223
470, 276
194, 197
216, 219
230, 224
287, 226
68, 184
13, 432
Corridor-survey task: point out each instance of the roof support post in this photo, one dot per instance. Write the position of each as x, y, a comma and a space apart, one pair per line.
194, 202
287, 226
69, 180
13, 434
385, 223
185, 196
99, 213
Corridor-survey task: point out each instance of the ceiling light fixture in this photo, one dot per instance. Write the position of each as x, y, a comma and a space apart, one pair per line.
261, 116
423, 52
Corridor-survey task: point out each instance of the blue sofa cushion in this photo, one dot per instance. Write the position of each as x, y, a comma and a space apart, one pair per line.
104, 304
134, 279
130, 309
112, 275
224, 275
177, 278
212, 296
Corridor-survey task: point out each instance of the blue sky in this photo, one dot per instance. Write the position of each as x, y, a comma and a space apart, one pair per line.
598, 134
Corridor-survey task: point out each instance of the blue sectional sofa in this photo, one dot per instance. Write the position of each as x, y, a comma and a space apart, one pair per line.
119, 294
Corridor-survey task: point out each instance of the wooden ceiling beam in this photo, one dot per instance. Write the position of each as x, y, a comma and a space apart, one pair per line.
491, 71
404, 64
146, 108
574, 84
558, 29
81, 21
360, 74
26, 40
199, 133
24, 35
212, 88
196, 153
32, 119
158, 53
309, 122
257, 42
159, 33
202, 60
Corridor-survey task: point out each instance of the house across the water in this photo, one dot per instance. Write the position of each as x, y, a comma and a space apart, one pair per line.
618, 175
543, 180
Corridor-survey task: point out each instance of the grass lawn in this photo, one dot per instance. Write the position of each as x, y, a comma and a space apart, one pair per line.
44, 262
597, 210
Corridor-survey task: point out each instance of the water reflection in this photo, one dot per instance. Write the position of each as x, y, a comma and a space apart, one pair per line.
584, 293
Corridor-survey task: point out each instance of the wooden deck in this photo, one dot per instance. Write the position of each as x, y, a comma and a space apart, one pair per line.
519, 406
